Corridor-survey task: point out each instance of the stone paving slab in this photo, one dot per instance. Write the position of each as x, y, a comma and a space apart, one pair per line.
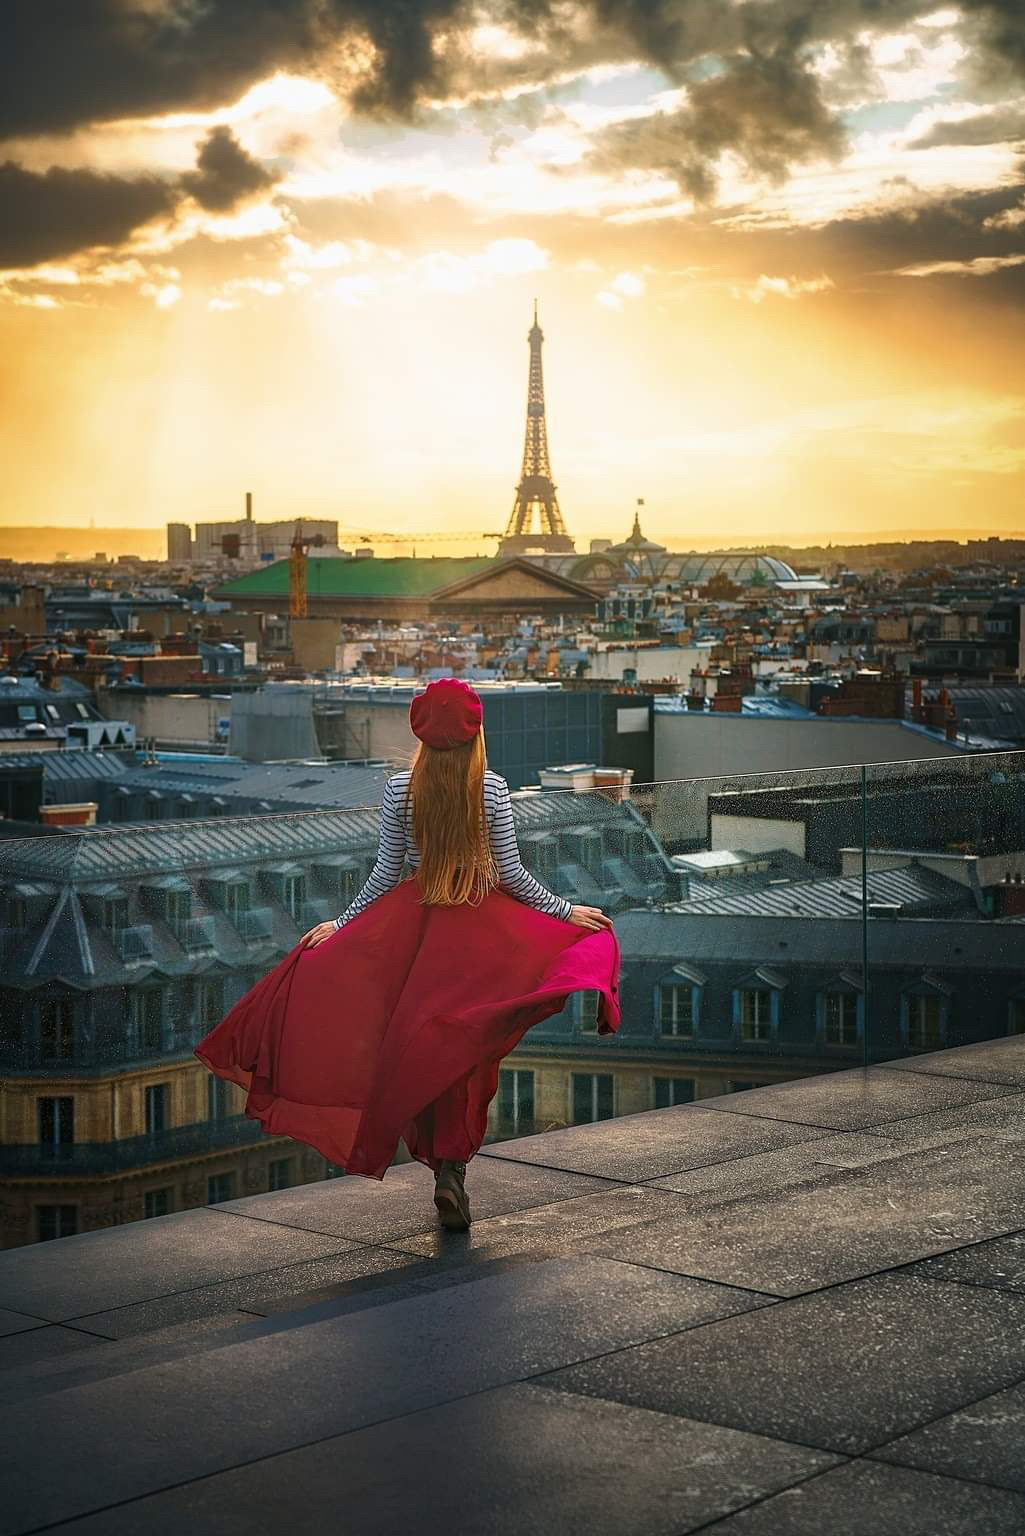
861, 1498
402, 1203
856, 1099
995, 1061
17, 1322
1000, 1262
47, 1372
807, 1162
650, 1144
50, 1342
858, 1222
845, 1369
1000, 1119
613, 1209
522, 1460
195, 1335
984, 1441
191, 1417
248, 1292
117, 1266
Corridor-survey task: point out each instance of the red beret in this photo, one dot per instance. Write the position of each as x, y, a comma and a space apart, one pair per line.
448, 713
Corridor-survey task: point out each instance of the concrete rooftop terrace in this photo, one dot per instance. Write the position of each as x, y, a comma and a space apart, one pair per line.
793, 1311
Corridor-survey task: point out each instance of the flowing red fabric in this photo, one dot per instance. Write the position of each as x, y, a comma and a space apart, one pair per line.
394, 1027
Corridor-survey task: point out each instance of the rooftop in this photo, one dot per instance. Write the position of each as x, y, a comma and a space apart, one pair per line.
789, 1311
332, 577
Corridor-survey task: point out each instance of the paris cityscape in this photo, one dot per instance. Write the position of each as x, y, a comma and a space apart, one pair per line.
656, 372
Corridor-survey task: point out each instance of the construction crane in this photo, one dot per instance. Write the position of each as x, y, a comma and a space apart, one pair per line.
298, 606
415, 538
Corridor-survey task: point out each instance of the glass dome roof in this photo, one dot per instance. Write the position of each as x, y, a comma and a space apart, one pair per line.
744, 569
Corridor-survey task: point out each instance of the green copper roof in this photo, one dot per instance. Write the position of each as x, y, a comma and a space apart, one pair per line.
334, 577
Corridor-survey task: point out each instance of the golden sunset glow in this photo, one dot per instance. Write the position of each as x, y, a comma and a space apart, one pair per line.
778, 303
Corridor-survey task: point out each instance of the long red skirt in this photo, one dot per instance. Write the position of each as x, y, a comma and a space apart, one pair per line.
394, 1027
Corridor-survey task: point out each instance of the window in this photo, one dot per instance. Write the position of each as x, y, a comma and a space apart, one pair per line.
209, 1002
115, 914
236, 898
17, 912
157, 1097
925, 1022
677, 1008
178, 909
279, 1173
673, 1090
592, 1096
12, 1005
1017, 1021
515, 1097
293, 896
217, 1105
56, 1221
57, 1028
56, 1125
219, 1186
587, 1012
841, 1018
755, 1013
147, 1017
158, 1202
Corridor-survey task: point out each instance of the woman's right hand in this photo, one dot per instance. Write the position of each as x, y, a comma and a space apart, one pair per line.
589, 917
317, 935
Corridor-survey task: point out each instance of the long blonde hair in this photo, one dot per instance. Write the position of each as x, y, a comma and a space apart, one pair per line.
450, 825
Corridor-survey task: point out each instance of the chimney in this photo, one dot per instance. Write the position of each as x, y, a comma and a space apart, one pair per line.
916, 697
249, 506
81, 814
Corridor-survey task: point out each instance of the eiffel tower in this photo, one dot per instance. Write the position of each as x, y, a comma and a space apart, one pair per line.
535, 494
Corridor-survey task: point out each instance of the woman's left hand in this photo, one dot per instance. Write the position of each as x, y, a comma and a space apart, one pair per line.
317, 935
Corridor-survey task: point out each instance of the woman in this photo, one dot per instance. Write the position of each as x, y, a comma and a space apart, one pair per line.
390, 1021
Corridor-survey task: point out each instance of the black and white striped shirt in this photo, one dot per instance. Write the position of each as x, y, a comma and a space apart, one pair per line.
396, 845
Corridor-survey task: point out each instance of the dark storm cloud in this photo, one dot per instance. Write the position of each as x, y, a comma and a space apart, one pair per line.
68, 63
224, 173
766, 109
1002, 125
44, 216
65, 63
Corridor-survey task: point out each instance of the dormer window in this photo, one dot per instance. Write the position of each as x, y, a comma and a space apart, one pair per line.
924, 1014
678, 1001
236, 898
293, 896
228, 889
755, 1013
841, 1011
756, 1005
587, 1012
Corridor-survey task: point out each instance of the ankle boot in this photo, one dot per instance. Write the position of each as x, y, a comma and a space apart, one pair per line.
450, 1196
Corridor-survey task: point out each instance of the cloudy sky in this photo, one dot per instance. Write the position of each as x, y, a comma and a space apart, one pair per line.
291, 246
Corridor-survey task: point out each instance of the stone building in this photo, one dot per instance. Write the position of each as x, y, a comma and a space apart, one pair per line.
361, 590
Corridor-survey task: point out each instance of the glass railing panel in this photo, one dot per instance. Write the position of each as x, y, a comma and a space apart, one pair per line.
745, 908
